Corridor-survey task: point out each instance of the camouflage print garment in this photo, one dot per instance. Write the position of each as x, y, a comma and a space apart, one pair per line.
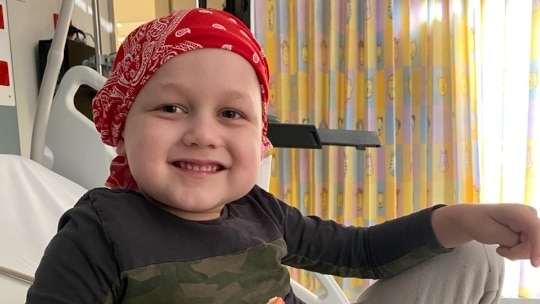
248, 276
116, 247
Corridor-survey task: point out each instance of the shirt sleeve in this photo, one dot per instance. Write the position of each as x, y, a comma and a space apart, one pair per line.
375, 252
78, 265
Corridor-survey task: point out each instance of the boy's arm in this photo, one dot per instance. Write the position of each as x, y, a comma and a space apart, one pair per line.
78, 264
514, 227
367, 252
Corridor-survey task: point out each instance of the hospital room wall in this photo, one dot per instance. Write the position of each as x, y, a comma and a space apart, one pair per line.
28, 22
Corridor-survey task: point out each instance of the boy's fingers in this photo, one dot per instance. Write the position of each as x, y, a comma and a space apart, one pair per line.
532, 234
519, 252
535, 262
534, 240
524, 221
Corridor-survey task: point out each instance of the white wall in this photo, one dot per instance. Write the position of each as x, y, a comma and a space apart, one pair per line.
29, 22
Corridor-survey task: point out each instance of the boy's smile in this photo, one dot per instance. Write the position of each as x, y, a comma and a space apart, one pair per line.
192, 138
198, 166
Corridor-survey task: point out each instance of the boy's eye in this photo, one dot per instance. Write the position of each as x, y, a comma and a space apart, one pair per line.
231, 114
171, 109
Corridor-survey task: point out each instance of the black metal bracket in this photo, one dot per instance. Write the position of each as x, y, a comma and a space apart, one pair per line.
285, 135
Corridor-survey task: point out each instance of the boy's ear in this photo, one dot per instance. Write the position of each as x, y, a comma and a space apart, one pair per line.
121, 147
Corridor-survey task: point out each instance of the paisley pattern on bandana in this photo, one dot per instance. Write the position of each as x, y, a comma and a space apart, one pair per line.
147, 48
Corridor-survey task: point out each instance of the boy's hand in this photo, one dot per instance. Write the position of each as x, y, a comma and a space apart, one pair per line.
523, 222
514, 227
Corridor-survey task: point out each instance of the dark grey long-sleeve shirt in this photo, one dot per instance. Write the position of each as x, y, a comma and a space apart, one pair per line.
116, 247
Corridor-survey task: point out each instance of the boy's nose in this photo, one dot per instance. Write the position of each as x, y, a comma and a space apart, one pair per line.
201, 131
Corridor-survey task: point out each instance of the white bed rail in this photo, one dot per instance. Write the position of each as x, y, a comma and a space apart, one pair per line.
55, 57
333, 293
77, 150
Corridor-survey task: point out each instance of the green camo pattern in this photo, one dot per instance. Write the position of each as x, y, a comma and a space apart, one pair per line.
250, 276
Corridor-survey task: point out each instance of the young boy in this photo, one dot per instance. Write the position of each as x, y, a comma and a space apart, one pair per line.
183, 221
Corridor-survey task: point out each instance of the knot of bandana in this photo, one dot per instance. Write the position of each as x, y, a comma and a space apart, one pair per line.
147, 48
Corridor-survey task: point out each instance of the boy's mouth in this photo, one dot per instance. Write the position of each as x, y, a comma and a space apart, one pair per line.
198, 167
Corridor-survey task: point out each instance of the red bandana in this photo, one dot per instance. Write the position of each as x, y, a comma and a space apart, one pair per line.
148, 47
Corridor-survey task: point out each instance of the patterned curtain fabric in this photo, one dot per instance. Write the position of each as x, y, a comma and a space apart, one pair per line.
409, 70
509, 117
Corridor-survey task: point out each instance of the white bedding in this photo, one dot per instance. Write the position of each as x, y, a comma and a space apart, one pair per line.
32, 199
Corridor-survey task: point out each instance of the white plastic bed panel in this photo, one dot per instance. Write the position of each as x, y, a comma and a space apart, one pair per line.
77, 150
32, 198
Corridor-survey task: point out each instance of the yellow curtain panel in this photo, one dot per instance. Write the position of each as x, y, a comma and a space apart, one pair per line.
407, 70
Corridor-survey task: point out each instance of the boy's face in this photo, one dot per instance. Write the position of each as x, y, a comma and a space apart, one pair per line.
192, 137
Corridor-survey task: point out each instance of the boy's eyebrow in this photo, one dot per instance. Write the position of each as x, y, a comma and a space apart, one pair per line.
172, 86
237, 95
230, 94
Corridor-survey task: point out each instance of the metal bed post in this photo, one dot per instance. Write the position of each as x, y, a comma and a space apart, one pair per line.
97, 36
55, 58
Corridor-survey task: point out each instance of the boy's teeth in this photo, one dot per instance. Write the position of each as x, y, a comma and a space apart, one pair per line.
189, 166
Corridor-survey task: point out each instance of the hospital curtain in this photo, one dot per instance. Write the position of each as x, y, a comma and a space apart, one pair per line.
400, 68
509, 117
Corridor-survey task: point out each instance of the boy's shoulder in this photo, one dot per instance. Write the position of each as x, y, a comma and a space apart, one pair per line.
259, 194
107, 193
111, 201
115, 196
